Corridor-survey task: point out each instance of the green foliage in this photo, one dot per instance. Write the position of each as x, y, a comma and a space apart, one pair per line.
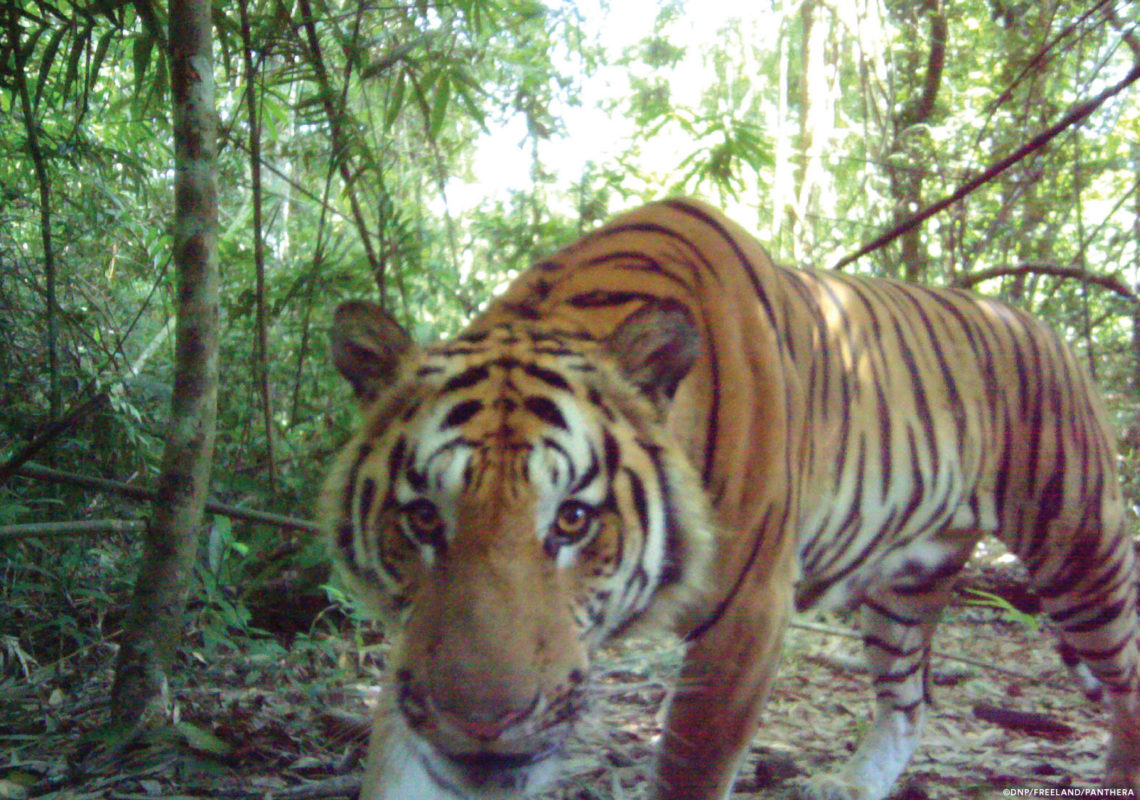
988, 600
729, 147
57, 593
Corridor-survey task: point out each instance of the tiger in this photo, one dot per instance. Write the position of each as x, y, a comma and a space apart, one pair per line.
659, 426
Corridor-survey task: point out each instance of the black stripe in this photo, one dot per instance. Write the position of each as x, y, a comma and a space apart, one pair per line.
1049, 501
889, 648
353, 474
890, 614
1106, 616
918, 385
601, 298
396, 456
612, 452
918, 481
1090, 655
902, 675
930, 579
640, 504
547, 376
367, 497
461, 413
546, 410
550, 444
588, 476
885, 432
758, 538
345, 534
749, 270
468, 377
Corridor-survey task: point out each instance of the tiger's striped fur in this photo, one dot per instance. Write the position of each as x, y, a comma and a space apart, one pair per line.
854, 438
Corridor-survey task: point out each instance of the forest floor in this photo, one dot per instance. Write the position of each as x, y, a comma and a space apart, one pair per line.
263, 721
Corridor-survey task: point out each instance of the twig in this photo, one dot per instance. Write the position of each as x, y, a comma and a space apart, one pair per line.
986, 665
1109, 282
339, 786
146, 495
78, 410
73, 528
1025, 721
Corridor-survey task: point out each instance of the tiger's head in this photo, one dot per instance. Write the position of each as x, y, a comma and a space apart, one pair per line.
510, 500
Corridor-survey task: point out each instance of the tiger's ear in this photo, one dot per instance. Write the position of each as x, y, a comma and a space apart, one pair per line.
655, 348
367, 347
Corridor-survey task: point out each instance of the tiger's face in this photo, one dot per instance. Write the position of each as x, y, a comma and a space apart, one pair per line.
511, 499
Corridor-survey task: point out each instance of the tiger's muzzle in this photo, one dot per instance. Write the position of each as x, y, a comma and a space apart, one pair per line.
487, 752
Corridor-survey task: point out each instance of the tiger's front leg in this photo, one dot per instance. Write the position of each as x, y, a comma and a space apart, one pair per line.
898, 623
723, 684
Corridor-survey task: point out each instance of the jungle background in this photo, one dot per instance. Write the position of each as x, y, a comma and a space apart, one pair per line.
420, 154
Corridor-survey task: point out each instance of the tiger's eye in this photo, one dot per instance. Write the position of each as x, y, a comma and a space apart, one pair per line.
574, 522
424, 522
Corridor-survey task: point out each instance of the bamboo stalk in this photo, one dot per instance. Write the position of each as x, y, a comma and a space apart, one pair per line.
39, 472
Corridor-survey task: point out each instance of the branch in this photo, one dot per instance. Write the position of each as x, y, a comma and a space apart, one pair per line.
1109, 282
74, 528
1075, 116
61, 426
146, 495
341, 144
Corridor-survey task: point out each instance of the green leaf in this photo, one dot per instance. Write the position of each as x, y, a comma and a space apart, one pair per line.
395, 100
141, 51
465, 91
78, 47
100, 53
47, 61
439, 109
995, 601
201, 740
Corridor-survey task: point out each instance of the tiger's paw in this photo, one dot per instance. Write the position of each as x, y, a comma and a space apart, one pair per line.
831, 787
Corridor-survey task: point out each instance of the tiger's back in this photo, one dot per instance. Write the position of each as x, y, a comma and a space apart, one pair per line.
938, 410
854, 438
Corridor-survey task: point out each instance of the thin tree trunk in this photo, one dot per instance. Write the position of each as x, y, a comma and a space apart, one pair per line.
51, 310
815, 125
261, 366
340, 145
783, 195
155, 620
907, 178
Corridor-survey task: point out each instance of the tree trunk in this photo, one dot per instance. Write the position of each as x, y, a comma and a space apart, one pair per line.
261, 359
154, 622
907, 167
817, 124
783, 194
